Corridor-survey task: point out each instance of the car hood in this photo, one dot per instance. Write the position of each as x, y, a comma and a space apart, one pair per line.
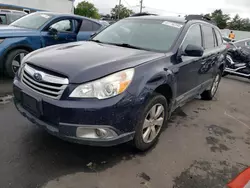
11, 31
85, 61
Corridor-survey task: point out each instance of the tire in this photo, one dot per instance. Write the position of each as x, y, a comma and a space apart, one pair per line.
158, 101
209, 94
13, 61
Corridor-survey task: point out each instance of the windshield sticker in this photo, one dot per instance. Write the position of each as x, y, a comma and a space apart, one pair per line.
172, 24
45, 16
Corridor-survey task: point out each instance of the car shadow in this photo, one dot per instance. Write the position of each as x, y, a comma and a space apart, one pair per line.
5, 85
35, 157
236, 78
45, 157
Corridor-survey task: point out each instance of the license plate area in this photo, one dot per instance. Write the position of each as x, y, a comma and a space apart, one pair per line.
30, 104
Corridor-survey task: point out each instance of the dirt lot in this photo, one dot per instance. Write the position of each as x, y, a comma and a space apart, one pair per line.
205, 145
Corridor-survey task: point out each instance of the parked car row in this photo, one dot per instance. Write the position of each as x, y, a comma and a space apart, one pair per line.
120, 86
38, 30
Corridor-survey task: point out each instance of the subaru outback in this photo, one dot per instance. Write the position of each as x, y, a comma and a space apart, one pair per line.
124, 83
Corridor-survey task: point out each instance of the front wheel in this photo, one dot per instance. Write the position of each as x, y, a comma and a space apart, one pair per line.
209, 94
13, 61
150, 123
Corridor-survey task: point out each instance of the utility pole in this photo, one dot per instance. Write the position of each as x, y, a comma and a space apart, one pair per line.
141, 6
119, 8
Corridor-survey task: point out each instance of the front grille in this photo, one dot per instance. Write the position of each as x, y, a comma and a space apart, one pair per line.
48, 85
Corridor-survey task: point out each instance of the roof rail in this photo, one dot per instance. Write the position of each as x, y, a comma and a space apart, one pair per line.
199, 17
143, 14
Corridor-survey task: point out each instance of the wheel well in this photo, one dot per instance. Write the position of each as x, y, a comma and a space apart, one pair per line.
17, 48
166, 91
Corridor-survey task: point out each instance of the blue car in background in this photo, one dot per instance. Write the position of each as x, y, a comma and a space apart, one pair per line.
39, 30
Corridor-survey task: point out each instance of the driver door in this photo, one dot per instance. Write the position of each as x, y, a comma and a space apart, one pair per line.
59, 32
187, 73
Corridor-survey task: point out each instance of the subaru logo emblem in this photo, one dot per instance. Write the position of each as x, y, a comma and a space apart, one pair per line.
38, 77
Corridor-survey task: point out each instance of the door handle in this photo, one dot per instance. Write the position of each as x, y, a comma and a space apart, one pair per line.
70, 39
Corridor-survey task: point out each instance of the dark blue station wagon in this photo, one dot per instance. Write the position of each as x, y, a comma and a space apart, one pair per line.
124, 84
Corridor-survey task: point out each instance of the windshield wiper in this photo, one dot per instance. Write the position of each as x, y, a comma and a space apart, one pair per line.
119, 44
96, 41
127, 46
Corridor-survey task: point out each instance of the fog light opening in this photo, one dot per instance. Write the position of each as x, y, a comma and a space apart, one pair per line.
95, 133
102, 133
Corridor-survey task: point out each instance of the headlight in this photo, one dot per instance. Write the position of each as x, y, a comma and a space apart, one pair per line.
106, 87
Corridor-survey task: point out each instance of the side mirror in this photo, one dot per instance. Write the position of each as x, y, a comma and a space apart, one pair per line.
193, 50
52, 31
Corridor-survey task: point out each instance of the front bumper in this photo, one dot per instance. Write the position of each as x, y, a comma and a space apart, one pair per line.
61, 118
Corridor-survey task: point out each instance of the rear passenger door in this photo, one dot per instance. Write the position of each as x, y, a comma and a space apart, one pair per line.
210, 56
87, 29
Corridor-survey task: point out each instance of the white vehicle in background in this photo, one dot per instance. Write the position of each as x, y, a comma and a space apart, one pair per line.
60, 6
9, 16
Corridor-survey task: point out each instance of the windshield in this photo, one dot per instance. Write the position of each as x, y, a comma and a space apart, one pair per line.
32, 21
154, 35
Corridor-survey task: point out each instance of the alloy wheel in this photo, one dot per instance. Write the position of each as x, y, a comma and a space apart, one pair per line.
215, 84
153, 123
16, 62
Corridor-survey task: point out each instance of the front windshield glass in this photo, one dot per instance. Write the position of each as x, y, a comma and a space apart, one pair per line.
154, 35
32, 21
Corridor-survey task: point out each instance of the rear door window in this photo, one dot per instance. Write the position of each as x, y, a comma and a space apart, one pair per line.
208, 37
241, 43
3, 19
14, 17
247, 43
96, 26
86, 25
218, 36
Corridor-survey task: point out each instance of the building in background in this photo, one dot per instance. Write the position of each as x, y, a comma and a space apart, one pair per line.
62, 6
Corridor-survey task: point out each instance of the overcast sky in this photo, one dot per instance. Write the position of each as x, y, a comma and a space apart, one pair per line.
166, 7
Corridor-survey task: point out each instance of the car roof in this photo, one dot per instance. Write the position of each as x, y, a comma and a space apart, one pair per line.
71, 15
177, 19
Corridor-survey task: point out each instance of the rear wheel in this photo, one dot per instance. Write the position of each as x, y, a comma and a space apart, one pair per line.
13, 61
209, 94
150, 123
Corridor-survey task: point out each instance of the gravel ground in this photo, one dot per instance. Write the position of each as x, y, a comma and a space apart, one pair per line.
206, 144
